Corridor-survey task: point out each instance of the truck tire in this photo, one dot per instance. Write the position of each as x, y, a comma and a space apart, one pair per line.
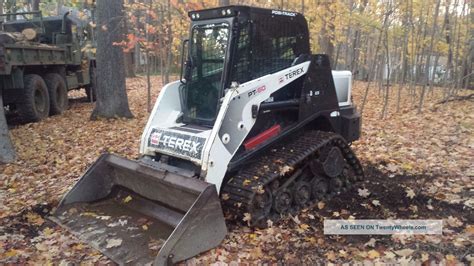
57, 93
34, 105
91, 88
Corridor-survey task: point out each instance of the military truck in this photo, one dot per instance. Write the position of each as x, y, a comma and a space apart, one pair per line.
41, 59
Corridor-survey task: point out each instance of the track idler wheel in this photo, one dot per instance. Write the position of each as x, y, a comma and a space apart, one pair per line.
319, 187
283, 200
336, 184
302, 193
334, 163
260, 208
331, 163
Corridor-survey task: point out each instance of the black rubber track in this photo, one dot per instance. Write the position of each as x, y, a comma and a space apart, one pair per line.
279, 163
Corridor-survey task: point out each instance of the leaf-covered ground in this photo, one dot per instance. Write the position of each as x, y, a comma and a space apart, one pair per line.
418, 166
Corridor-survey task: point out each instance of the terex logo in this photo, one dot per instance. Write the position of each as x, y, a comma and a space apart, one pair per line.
174, 142
184, 144
290, 75
257, 90
294, 73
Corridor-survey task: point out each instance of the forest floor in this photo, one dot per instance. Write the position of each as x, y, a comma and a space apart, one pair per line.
417, 166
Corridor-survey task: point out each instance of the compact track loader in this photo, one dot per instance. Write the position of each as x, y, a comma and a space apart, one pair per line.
256, 124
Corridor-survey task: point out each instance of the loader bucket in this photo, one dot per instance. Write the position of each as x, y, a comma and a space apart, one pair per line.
139, 214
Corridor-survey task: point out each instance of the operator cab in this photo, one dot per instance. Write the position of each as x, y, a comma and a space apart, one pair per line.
235, 44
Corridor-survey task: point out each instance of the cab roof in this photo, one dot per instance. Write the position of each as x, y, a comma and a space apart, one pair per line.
244, 12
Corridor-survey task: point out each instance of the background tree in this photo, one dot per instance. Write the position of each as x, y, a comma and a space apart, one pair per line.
35, 5
112, 98
224, 2
7, 151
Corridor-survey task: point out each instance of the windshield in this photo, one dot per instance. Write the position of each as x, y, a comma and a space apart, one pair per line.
207, 57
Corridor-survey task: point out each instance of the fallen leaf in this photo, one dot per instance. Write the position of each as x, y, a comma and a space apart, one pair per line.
260, 189
11, 253
413, 208
256, 253
247, 218
47, 231
117, 223
41, 247
304, 226
424, 257
330, 255
285, 169
114, 242
373, 254
410, 193
343, 253
404, 252
91, 214
78, 247
470, 229
321, 205
370, 243
295, 219
392, 167
155, 244
454, 222
363, 192
469, 203
389, 255
34, 219
269, 223
127, 199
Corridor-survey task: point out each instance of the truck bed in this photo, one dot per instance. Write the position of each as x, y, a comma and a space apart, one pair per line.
30, 55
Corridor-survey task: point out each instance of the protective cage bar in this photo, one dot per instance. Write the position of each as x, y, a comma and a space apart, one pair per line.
137, 214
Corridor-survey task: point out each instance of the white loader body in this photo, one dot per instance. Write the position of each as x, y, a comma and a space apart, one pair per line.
213, 148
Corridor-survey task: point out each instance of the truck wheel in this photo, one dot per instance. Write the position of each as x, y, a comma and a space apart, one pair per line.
91, 88
57, 93
34, 104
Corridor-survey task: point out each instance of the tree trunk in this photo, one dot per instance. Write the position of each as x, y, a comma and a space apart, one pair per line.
374, 63
428, 58
7, 151
112, 98
169, 53
35, 5
60, 4
470, 79
11, 8
388, 62
128, 55
148, 63
129, 65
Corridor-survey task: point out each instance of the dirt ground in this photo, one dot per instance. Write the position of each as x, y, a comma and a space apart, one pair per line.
417, 166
